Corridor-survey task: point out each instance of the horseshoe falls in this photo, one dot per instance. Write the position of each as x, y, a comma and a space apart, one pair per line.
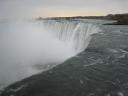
75, 35
29, 48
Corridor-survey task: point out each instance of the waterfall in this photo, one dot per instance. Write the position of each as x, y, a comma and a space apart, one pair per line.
75, 34
28, 48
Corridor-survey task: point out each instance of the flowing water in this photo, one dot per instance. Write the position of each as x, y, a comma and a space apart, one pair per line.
75, 34
28, 48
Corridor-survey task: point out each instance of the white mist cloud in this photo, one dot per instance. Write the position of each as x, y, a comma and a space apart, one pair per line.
25, 44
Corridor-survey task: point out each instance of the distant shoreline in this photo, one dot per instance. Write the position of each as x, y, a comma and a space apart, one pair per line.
121, 19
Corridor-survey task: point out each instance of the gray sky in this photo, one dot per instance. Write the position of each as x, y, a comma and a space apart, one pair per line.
48, 8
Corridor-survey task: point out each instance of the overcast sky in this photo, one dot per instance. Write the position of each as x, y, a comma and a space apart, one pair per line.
49, 8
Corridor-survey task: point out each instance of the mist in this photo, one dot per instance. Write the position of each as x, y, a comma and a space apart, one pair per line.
26, 44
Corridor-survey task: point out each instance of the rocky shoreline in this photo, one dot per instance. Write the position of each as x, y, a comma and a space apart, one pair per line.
122, 19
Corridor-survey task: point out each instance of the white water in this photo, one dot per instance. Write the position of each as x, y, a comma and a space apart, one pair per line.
75, 35
25, 46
